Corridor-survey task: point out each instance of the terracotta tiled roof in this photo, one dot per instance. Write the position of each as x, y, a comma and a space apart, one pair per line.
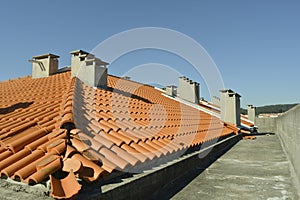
216, 109
58, 123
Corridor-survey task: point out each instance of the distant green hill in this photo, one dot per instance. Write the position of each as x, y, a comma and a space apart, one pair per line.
280, 108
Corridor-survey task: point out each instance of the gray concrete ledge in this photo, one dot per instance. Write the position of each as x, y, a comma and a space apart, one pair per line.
10, 189
150, 183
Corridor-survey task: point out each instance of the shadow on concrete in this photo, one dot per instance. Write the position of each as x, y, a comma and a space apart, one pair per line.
14, 107
172, 188
261, 134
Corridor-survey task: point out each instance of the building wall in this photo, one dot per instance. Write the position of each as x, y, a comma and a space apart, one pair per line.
287, 127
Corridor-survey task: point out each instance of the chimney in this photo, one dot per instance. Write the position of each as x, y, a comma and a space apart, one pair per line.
44, 65
216, 100
89, 69
188, 90
230, 107
77, 60
251, 112
126, 78
171, 90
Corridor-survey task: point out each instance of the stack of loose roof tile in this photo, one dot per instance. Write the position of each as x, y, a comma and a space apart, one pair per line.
54, 124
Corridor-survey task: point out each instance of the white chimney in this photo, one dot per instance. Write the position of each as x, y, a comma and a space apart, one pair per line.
188, 90
44, 65
216, 100
230, 107
89, 69
171, 90
251, 112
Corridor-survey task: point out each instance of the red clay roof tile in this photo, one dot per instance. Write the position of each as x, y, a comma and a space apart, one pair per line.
66, 188
125, 126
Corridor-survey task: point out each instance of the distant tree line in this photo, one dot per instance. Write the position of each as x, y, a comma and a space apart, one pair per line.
280, 108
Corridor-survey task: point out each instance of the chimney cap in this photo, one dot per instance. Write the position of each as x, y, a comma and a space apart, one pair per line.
98, 61
171, 86
227, 90
45, 56
230, 92
79, 51
89, 57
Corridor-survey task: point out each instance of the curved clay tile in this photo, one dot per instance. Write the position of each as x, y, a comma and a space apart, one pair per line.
34, 145
57, 133
114, 158
57, 146
125, 155
9, 171
69, 151
14, 158
151, 149
165, 145
100, 160
90, 171
25, 172
156, 145
122, 137
5, 155
79, 144
2, 149
143, 150
91, 142
71, 165
107, 143
134, 153
116, 140
45, 168
19, 143
22, 127
67, 118
64, 188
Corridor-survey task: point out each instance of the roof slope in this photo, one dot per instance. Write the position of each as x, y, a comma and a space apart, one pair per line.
55, 124
30, 138
216, 109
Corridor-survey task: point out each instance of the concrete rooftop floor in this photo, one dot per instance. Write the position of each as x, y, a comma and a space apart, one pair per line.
252, 169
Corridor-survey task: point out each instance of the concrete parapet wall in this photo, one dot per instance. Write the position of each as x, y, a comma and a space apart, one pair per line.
287, 126
266, 125
288, 129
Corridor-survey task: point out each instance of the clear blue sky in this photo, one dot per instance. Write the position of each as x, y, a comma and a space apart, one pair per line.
255, 44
